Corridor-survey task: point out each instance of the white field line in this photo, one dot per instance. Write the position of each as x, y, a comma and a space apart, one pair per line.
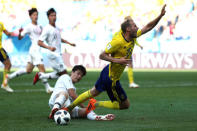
36, 90
30, 87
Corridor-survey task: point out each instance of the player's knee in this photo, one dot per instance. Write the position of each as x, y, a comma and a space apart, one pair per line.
124, 105
64, 93
94, 92
127, 106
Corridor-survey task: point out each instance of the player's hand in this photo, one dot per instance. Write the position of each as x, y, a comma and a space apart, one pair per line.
163, 11
52, 48
72, 44
20, 30
123, 61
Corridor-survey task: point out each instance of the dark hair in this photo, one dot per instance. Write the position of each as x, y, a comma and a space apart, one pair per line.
51, 10
32, 10
81, 68
124, 25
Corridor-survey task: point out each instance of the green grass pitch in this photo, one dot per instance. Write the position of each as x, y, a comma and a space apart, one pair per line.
165, 101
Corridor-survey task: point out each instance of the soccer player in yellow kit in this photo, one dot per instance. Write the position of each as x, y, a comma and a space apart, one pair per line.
118, 53
4, 58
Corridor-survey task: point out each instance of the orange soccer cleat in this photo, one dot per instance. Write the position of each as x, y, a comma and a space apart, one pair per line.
91, 105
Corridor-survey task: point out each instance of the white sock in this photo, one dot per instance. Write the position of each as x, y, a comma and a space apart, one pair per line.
46, 84
51, 75
92, 115
59, 101
17, 73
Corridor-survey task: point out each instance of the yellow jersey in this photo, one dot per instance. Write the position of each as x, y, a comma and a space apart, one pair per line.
119, 48
121, 32
2, 28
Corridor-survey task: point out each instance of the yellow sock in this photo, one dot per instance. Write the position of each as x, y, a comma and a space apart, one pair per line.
5, 72
130, 75
80, 99
108, 104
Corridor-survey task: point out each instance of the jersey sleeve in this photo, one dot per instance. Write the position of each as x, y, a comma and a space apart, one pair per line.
139, 32
44, 35
3, 27
25, 31
112, 46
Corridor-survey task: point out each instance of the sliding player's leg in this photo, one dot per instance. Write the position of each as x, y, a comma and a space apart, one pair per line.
96, 90
57, 101
78, 112
83, 97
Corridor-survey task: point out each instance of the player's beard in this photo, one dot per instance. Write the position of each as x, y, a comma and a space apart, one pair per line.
133, 35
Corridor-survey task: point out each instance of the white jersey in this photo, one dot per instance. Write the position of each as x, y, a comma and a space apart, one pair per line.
64, 83
52, 36
34, 32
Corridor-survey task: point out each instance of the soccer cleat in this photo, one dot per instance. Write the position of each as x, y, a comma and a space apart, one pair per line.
7, 88
53, 111
91, 105
108, 117
36, 78
133, 85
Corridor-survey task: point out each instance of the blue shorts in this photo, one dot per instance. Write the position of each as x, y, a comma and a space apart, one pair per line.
3, 55
104, 83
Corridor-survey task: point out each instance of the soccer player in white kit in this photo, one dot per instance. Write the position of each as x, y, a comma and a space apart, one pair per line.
65, 92
35, 57
51, 35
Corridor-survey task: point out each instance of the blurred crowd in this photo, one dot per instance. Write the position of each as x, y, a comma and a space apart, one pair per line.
106, 16
97, 20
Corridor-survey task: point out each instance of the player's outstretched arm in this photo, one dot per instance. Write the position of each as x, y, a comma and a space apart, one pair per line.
8, 33
41, 43
107, 57
153, 23
65, 41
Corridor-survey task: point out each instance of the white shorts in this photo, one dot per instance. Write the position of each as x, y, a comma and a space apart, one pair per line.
35, 58
56, 62
54, 95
